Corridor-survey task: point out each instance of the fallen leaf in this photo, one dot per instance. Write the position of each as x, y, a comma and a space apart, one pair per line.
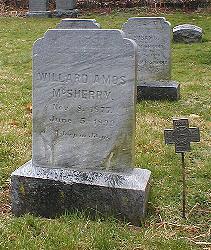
29, 107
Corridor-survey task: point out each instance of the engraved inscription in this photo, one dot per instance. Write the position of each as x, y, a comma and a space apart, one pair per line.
70, 133
81, 93
59, 120
82, 109
77, 78
152, 36
94, 109
181, 135
64, 113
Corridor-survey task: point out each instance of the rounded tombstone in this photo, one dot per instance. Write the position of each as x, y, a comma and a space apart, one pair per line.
187, 33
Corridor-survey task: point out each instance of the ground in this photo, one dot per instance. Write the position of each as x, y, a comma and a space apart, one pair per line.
164, 227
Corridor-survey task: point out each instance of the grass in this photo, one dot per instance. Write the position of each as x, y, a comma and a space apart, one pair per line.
163, 228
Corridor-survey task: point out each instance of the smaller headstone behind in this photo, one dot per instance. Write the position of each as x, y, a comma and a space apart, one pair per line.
71, 23
153, 37
187, 33
38, 8
66, 8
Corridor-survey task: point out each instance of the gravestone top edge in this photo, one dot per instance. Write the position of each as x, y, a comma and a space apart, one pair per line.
147, 18
161, 84
76, 23
133, 19
187, 27
51, 32
79, 20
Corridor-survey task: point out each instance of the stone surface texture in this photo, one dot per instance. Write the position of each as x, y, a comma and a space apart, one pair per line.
152, 35
160, 90
84, 99
50, 192
70, 23
187, 33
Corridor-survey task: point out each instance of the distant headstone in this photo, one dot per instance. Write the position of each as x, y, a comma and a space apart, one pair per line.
187, 33
83, 128
153, 37
38, 8
66, 8
70, 23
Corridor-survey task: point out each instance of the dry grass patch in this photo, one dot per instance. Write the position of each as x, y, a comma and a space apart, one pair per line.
5, 202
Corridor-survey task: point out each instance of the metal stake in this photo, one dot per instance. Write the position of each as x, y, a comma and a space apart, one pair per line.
184, 186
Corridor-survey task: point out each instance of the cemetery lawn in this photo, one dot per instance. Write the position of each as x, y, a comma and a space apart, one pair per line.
163, 228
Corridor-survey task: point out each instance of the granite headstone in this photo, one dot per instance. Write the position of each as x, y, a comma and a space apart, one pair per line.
83, 128
38, 8
153, 37
66, 8
71, 23
187, 33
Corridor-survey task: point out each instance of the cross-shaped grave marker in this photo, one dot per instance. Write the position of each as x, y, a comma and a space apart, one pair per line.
181, 135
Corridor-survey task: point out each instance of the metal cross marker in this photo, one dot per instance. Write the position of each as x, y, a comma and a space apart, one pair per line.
182, 136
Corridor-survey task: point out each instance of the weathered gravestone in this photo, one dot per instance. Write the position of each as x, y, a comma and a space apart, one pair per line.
71, 23
187, 33
83, 128
152, 35
66, 8
38, 8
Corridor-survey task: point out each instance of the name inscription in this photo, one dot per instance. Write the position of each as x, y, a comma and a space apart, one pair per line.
81, 93
80, 78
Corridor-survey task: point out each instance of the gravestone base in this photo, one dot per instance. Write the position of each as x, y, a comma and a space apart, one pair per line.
39, 14
158, 90
67, 13
50, 192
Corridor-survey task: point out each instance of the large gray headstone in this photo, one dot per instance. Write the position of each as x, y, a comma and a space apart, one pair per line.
187, 33
83, 128
152, 35
38, 8
70, 23
84, 99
